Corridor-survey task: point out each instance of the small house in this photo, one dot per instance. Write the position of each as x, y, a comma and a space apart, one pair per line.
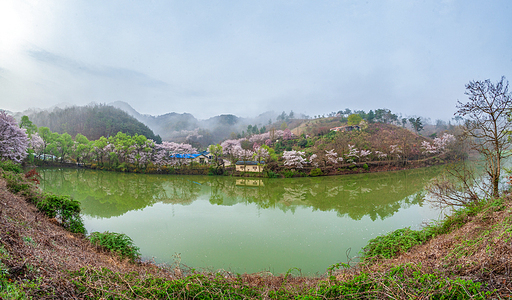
346, 128
200, 158
250, 166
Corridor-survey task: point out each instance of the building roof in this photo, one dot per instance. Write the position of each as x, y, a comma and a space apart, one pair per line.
186, 155
249, 162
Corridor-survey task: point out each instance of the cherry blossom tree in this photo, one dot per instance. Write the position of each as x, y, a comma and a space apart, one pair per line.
287, 134
36, 143
230, 148
13, 139
261, 153
244, 154
364, 154
396, 150
332, 157
438, 145
294, 159
313, 160
380, 154
353, 154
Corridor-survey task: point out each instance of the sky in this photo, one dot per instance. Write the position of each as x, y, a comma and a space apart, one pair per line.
246, 57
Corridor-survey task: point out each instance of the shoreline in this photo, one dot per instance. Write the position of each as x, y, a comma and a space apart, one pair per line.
341, 169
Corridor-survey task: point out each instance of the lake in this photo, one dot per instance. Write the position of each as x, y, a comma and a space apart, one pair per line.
247, 224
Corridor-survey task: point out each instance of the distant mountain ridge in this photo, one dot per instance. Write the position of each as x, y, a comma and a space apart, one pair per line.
177, 127
172, 126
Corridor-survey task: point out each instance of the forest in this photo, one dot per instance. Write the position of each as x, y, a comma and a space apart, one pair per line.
92, 121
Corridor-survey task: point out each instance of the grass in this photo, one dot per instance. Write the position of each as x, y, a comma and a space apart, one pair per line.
117, 243
400, 282
402, 240
9, 289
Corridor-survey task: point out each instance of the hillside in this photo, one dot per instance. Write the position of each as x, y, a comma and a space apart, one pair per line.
92, 121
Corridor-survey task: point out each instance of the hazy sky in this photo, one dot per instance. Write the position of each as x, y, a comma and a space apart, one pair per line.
247, 57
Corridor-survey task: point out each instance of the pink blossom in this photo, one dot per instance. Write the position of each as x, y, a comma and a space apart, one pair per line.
313, 160
287, 134
36, 143
332, 157
13, 140
260, 153
294, 159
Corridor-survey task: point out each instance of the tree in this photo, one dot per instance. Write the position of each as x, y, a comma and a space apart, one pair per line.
45, 134
13, 139
216, 152
416, 124
354, 119
30, 127
488, 124
294, 159
64, 145
82, 147
370, 116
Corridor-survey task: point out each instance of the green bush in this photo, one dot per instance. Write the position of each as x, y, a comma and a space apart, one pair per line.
16, 182
288, 173
270, 174
64, 208
393, 243
10, 166
118, 243
365, 166
401, 280
315, 172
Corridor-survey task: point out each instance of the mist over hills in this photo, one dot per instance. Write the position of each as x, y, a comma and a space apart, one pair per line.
181, 127
94, 120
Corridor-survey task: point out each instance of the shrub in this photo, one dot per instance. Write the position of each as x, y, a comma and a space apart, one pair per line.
393, 243
270, 174
16, 183
315, 172
288, 173
365, 166
10, 166
63, 208
118, 243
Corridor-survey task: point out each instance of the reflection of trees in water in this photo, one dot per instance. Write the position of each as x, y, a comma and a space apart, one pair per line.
102, 194
106, 194
179, 190
377, 195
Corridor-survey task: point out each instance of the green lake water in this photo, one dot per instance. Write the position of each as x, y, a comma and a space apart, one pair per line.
247, 225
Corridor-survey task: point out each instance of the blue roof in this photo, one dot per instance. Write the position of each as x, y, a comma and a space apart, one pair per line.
185, 155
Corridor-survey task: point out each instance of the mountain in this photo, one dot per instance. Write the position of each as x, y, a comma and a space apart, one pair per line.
185, 127
93, 121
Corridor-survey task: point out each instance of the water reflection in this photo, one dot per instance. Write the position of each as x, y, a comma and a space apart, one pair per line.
108, 194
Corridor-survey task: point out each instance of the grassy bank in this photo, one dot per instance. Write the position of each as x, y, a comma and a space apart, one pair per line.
465, 256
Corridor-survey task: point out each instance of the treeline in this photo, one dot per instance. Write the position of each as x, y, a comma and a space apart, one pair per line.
92, 121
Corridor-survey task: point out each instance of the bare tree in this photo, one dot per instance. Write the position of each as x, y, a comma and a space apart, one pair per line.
488, 124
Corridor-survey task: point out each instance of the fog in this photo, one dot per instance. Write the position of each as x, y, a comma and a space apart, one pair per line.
209, 58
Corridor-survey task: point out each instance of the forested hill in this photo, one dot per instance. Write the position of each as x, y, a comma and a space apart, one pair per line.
92, 121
